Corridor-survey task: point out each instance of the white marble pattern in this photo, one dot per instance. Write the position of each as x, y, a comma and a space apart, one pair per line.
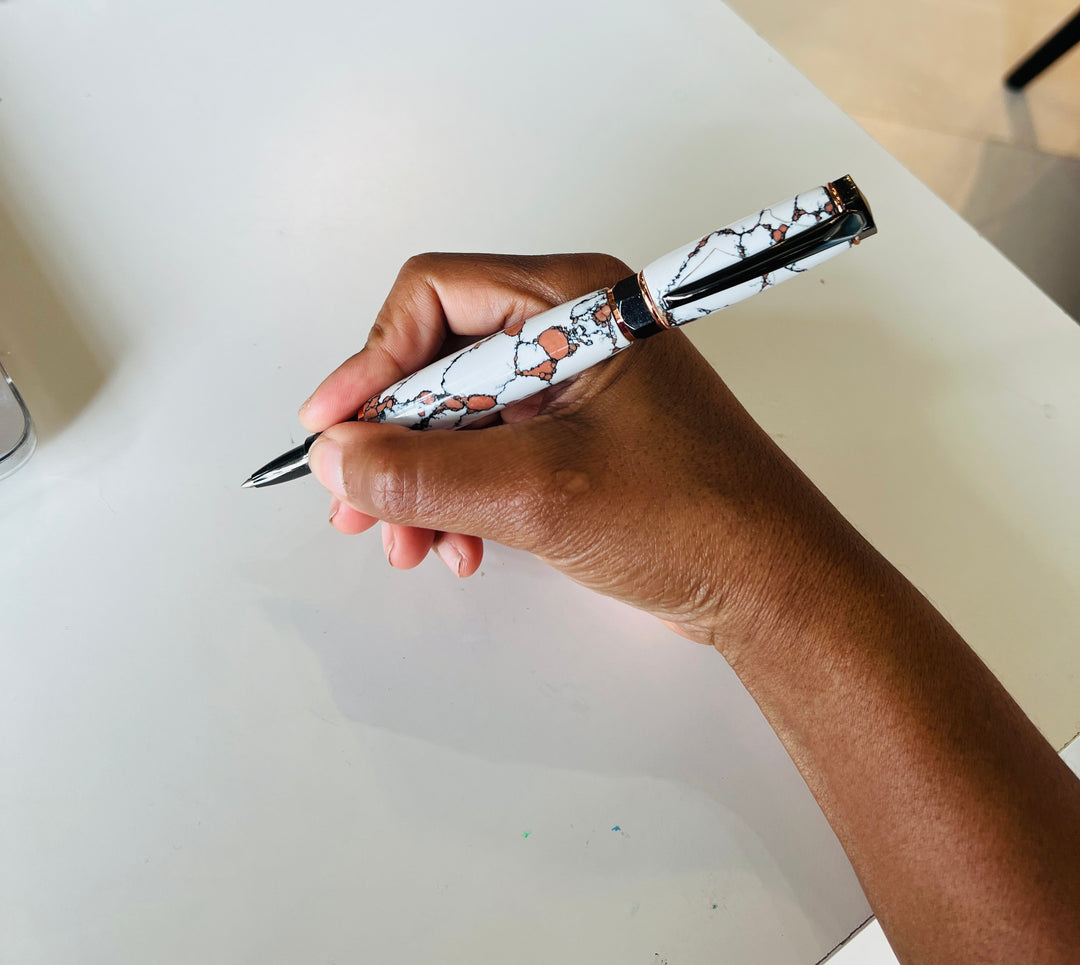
734, 243
510, 365
558, 344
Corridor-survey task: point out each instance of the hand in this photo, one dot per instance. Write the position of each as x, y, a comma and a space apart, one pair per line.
643, 479
435, 301
646, 480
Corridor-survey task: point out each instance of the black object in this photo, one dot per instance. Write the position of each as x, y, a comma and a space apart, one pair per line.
852, 225
633, 310
1039, 59
292, 465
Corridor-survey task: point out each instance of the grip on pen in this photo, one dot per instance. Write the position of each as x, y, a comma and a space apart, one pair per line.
510, 365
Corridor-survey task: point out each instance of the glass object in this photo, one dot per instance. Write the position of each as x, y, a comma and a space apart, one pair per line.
17, 439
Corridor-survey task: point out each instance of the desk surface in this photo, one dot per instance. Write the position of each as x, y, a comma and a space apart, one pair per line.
230, 734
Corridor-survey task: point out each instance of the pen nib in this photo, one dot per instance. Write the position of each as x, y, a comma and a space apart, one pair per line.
292, 465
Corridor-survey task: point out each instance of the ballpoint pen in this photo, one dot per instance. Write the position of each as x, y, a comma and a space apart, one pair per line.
708, 274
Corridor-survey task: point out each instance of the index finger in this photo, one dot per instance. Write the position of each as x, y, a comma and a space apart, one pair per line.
436, 295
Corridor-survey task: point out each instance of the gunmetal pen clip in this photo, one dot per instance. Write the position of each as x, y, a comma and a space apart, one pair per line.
851, 222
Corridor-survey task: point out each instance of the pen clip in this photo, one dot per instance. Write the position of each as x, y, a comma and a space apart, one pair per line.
850, 224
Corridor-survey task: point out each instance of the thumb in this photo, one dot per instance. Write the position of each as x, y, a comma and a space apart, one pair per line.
495, 483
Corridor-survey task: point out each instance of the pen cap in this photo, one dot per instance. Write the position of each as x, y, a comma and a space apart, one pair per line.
757, 252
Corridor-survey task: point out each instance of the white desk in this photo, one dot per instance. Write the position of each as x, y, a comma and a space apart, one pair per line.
229, 734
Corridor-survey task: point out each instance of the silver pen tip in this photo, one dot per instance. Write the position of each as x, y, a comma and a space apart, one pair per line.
250, 484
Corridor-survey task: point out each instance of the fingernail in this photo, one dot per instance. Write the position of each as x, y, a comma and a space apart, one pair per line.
387, 542
450, 556
302, 415
324, 460
335, 505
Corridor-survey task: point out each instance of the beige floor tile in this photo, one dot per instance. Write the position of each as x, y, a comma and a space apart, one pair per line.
924, 77
946, 163
1026, 202
936, 64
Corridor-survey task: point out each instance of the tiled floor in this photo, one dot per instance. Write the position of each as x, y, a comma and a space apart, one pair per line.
924, 77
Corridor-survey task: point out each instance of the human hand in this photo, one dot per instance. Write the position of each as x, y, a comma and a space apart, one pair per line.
436, 301
646, 480
643, 479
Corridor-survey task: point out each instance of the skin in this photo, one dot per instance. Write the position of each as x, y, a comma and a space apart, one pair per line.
961, 822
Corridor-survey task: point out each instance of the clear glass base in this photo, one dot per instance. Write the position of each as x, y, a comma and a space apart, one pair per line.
17, 438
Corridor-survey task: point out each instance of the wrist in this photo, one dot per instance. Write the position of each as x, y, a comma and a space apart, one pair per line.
804, 580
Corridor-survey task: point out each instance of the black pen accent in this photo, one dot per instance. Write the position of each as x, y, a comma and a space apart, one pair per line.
292, 465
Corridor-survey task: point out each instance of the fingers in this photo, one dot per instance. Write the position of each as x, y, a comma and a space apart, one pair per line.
347, 520
439, 294
436, 298
406, 546
482, 484
462, 554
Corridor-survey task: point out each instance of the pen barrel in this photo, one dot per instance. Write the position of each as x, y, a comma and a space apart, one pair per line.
723, 250
521, 360
724, 267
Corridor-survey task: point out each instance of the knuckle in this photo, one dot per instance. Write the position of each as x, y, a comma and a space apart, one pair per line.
568, 483
391, 485
420, 265
378, 332
607, 269
552, 501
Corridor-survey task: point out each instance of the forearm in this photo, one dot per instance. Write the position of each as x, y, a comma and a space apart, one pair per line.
960, 820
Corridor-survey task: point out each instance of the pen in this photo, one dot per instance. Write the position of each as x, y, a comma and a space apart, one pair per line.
708, 274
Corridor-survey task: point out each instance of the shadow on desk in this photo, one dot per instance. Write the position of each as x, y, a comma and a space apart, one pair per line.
565, 689
1027, 204
49, 353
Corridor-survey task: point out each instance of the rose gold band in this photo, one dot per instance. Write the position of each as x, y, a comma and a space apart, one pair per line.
617, 315
835, 196
660, 317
